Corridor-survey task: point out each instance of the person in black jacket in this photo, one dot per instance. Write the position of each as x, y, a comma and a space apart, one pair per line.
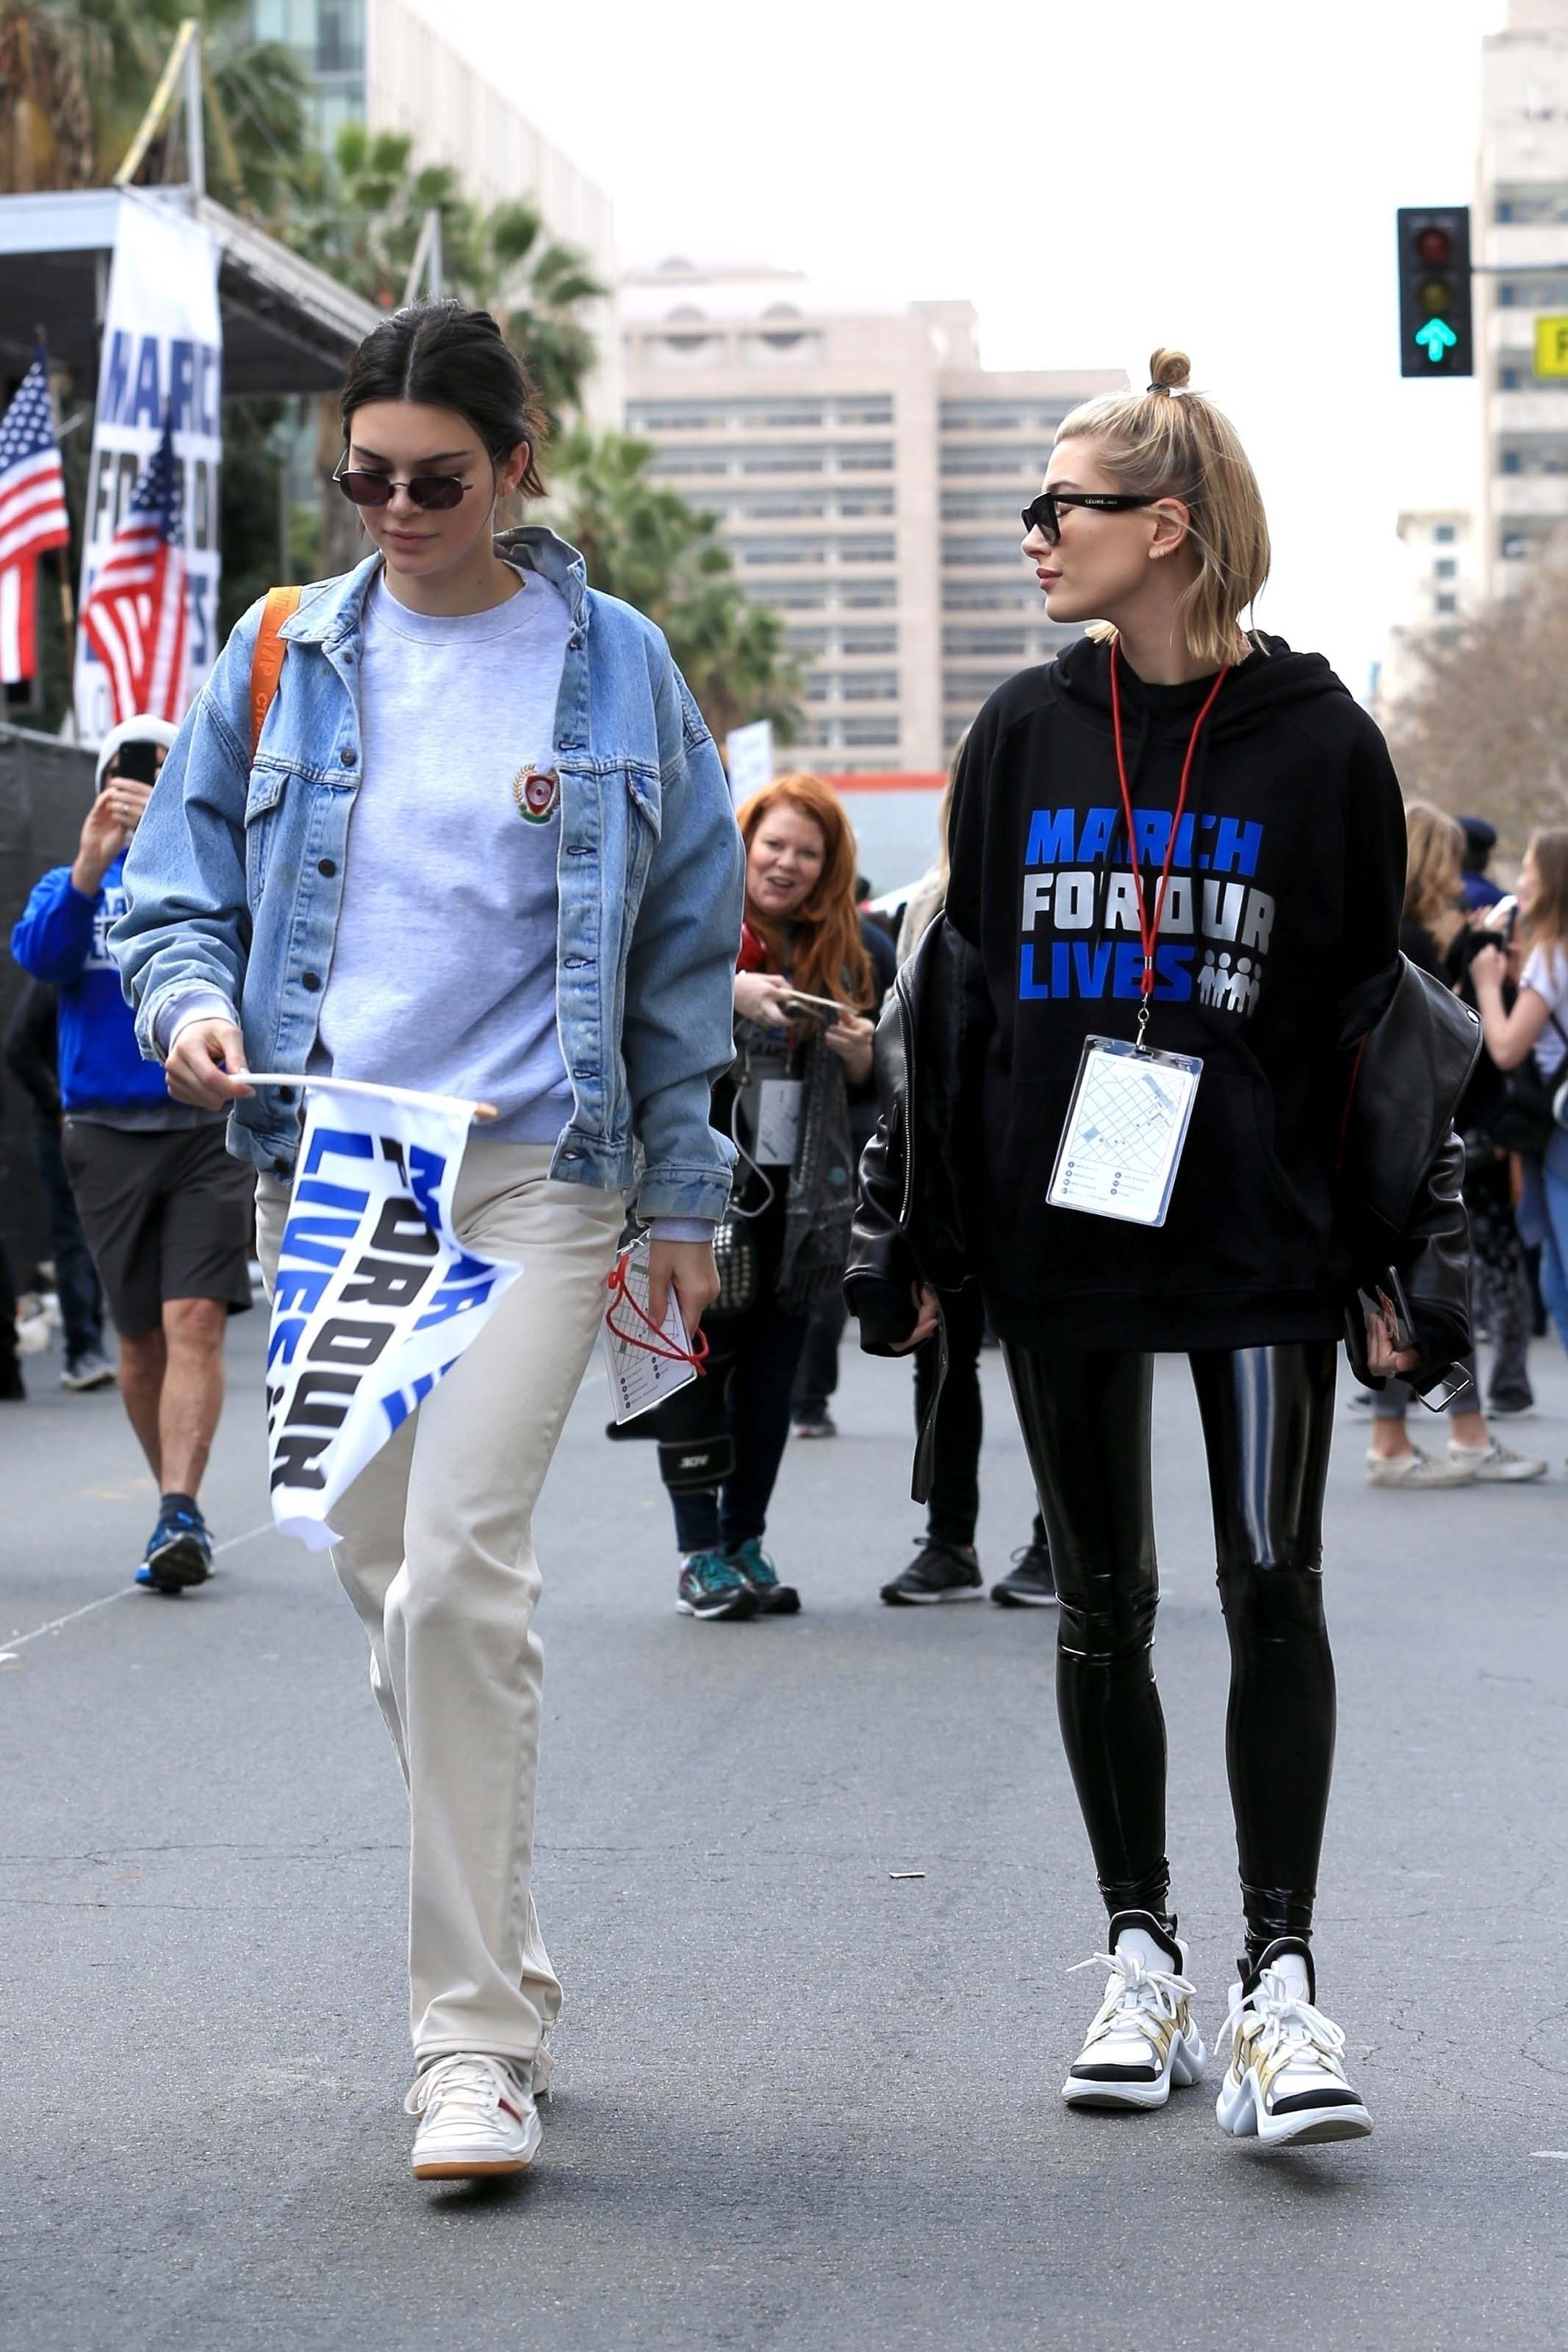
1181, 839
32, 1058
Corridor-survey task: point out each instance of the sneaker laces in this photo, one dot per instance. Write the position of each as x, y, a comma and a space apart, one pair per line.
713, 1572
1293, 2030
1144, 2000
474, 2085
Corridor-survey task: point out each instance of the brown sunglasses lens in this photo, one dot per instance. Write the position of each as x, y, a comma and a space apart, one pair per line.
427, 490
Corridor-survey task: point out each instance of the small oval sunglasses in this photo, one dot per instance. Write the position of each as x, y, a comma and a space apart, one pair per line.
1043, 514
427, 490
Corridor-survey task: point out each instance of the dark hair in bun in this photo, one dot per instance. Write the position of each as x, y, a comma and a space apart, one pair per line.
447, 357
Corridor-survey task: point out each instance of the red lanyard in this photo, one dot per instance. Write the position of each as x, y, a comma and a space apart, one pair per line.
1149, 929
658, 1345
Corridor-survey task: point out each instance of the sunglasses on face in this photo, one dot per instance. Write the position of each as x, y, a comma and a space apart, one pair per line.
426, 490
1044, 514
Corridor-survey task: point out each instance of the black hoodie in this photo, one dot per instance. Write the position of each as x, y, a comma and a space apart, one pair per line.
1285, 894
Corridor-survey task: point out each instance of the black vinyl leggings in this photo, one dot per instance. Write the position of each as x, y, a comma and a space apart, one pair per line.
1267, 1416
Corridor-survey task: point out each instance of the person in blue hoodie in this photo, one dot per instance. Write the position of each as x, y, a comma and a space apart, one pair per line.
166, 1210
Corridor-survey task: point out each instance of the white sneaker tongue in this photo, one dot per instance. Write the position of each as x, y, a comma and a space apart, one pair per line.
1292, 1968
1140, 1945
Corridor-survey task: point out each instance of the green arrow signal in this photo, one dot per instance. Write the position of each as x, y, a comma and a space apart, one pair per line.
1437, 337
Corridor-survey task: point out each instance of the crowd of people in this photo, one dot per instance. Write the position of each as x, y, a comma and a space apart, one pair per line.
1146, 1074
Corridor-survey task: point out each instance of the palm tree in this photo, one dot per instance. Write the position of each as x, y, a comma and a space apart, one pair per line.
641, 541
76, 77
361, 219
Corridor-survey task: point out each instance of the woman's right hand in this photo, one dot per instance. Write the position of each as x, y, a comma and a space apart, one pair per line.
926, 1323
759, 997
206, 1065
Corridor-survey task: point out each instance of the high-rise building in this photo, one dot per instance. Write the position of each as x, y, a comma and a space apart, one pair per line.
868, 475
1521, 238
387, 63
1442, 584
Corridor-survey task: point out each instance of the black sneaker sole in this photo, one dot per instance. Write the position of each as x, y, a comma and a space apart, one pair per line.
1005, 1598
777, 1601
896, 1599
737, 1605
177, 1565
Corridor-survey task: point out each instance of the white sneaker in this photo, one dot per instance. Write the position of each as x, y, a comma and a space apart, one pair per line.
1416, 1469
1494, 1464
476, 2118
1142, 2038
1286, 2078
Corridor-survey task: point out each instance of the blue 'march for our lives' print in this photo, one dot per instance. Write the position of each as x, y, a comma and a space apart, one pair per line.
1086, 899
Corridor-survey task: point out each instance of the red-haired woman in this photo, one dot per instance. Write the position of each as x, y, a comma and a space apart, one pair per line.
786, 1238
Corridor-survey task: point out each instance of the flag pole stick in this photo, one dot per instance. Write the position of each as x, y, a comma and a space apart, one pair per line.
68, 596
481, 1111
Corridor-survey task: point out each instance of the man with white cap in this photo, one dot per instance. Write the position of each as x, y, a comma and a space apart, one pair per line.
165, 1209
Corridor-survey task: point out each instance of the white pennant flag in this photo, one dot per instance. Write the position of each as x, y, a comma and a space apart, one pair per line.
375, 1297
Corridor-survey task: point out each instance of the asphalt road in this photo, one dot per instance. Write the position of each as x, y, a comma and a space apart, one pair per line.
803, 2102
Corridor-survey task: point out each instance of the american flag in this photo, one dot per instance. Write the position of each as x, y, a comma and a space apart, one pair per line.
32, 516
134, 616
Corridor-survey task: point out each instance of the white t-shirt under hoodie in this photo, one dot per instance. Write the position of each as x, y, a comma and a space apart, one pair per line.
1546, 971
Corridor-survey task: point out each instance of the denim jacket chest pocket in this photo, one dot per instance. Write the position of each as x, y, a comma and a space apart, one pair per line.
644, 796
263, 792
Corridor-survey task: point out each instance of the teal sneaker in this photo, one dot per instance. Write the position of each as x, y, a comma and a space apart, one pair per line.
710, 1586
773, 1600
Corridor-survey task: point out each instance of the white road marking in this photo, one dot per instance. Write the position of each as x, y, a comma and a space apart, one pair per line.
19, 1641
1553, 2154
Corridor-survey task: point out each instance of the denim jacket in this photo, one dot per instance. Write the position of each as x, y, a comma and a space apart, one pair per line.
235, 876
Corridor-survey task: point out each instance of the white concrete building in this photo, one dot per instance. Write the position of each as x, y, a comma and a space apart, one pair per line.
868, 474
1521, 233
389, 64
1442, 584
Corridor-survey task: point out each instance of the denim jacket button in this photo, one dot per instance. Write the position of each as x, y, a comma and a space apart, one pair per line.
348, 755
310, 979
280, 1166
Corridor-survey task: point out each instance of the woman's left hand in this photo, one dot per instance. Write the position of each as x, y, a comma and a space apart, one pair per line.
850, 1038
1383, 1359
688, 1269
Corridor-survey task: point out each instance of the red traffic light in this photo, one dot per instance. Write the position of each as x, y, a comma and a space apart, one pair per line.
1434, 245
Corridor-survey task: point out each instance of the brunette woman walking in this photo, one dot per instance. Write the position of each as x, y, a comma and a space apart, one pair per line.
483, 848
1177, 867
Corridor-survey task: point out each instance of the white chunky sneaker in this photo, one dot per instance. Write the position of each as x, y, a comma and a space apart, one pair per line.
1495, 1464
475, 2118
1143, 2038
1414, 1469
1286, 2080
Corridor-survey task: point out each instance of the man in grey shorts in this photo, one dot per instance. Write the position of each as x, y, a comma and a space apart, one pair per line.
165, 1209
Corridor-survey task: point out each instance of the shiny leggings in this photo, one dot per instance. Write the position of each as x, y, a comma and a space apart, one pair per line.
1267, 1414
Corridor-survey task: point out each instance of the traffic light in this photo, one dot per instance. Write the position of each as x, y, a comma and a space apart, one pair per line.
1435, 336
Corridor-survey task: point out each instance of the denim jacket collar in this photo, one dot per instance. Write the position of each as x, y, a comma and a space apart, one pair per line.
337, 615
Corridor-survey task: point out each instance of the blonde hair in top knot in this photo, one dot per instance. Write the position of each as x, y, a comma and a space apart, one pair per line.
1160, 448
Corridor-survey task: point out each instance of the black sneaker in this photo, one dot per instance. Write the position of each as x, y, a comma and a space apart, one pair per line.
773, 1599
938, 1571
179, 1553
814, 1424
1030, 1582
710, 1586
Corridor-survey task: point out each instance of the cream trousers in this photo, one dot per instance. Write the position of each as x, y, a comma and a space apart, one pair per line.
437, 1557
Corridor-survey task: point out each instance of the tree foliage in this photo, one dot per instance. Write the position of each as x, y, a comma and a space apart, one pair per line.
641, 541
1484, 729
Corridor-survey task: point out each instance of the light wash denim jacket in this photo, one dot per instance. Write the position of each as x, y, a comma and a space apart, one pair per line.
236, 874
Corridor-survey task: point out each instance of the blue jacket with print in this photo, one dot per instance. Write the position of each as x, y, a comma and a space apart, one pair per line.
62, 937
236, 876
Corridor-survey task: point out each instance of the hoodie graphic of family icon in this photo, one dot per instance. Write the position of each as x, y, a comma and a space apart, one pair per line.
1226, 988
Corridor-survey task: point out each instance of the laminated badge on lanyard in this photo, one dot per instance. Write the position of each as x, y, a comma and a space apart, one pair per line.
1132, 1107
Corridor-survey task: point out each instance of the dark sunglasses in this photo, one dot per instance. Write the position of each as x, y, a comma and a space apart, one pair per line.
1044, 514
427, 490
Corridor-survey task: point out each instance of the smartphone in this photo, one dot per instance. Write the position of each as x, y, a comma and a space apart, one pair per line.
1387, 1298
825, 1009
138, 762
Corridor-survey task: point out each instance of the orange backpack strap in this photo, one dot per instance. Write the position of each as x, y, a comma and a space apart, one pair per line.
266, 661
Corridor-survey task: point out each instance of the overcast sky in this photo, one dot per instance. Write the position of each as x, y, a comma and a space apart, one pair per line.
1097, 179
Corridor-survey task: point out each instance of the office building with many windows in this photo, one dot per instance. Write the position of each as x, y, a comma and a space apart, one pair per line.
389, 64
868, 475
1522, 239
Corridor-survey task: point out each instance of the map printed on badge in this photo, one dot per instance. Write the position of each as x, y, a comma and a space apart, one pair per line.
1125, 1128
642, 1376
